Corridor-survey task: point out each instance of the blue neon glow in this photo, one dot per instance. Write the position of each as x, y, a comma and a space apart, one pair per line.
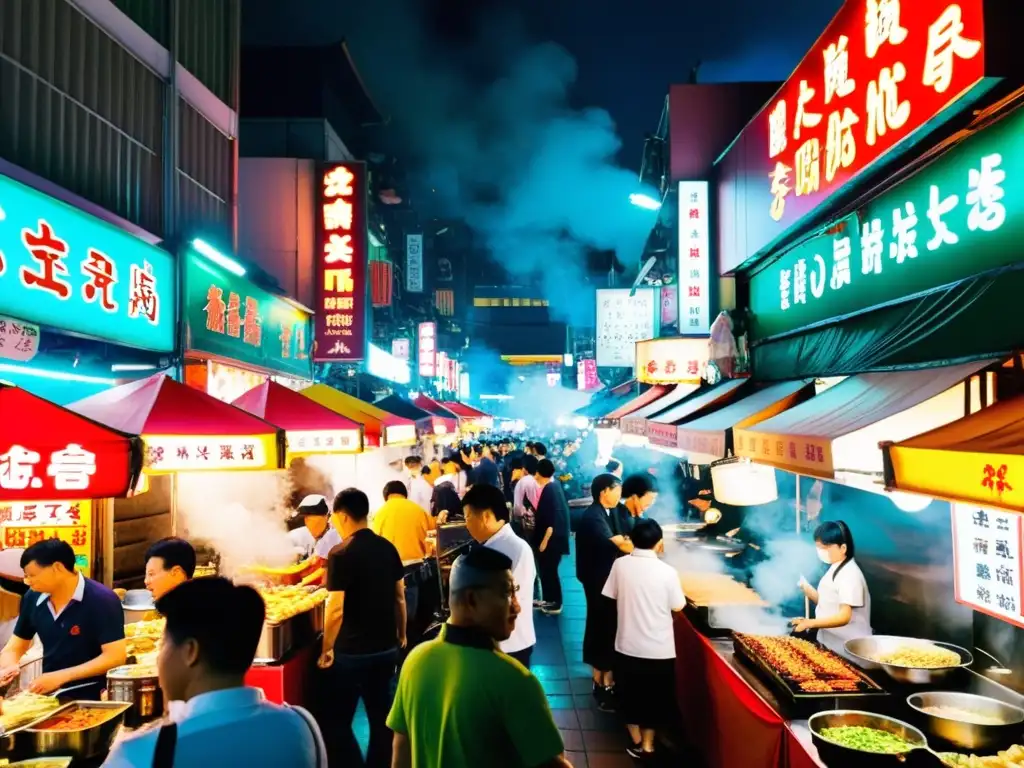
218, 258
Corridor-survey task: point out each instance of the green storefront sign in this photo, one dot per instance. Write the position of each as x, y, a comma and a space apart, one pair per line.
229, 317
961, 215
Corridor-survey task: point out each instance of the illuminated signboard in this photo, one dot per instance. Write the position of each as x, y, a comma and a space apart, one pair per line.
987, 561
883, 70
414, 263
64, 268
622, 321
427, 349
671, 361
694, 258
73, 472
230, 317
25, 524
306, 441
341, 264
961, 215
198, 453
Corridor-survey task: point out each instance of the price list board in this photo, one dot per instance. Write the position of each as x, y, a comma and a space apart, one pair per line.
988, 574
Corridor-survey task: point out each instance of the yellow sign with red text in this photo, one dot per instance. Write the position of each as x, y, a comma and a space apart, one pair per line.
986, 479
24, 524
806, 454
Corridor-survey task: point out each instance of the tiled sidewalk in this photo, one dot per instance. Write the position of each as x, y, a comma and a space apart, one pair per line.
592, 738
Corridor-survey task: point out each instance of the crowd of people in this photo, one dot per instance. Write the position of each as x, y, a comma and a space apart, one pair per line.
466, 697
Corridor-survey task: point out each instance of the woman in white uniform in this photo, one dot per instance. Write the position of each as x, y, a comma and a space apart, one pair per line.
843, 602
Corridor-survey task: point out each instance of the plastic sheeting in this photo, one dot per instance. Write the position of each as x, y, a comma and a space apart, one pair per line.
802, 438
979, 458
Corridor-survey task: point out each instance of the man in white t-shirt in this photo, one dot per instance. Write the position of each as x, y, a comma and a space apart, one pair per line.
647, 593
419, 489
487, 521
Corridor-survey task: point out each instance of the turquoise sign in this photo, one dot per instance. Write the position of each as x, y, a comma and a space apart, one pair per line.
961, 215
64, 268
229, 317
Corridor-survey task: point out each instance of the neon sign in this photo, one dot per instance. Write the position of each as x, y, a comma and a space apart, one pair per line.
340, 269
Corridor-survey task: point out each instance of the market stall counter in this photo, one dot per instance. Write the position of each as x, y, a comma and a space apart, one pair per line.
735, 713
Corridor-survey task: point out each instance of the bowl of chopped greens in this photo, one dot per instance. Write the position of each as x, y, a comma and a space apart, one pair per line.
851, 739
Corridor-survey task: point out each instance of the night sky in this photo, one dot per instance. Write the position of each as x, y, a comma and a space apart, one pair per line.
627, 53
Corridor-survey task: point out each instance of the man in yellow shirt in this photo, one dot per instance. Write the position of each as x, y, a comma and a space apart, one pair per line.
405, 524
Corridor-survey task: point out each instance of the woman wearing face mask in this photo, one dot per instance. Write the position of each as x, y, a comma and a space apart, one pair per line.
843, 601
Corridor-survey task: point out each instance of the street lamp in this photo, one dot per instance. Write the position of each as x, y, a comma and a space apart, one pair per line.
646, 202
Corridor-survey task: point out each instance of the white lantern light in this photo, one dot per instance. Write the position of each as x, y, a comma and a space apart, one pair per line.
911, 503
744, 484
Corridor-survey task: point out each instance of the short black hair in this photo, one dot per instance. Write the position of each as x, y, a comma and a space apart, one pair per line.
601, 484
516, 463
530, 464
612, 465
539, 449
639, 485
174, 552
545, 468
413, 461
395, 488
49, 551
646, 533
226, 621
831, 532
529, 444
353, 503
483, 496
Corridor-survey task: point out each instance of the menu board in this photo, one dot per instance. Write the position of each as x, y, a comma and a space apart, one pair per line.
987, 561
622, 321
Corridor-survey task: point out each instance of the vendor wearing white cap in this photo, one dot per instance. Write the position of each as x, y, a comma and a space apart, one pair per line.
317, 536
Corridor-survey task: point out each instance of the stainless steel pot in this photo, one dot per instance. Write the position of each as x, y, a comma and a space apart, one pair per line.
864, 650
970, 735
140, 687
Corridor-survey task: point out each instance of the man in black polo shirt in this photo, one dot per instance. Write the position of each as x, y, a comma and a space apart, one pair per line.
364, 629
79, 621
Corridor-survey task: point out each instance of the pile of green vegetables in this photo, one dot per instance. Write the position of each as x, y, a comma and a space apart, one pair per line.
866, 739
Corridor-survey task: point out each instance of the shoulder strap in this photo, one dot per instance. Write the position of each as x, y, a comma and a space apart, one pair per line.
314, 731
166, 745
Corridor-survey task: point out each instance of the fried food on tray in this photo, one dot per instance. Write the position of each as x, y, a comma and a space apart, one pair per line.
717, 589
1009, 758
144, 636
24, 707
288, 601
808, 667
77, 719
920, 657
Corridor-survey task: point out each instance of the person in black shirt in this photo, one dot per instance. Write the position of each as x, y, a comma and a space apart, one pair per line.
364, 630
550, 537
486, 472
598, 545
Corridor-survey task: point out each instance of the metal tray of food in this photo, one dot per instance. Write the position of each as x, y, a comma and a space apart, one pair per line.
278, 639
83, 743
865, 686
27, 722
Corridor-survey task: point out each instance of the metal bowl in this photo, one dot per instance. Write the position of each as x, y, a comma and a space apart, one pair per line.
970, 735
86, 742
839, 756
864, 650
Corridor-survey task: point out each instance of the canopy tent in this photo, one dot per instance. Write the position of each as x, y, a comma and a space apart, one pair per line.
636, 422
606, 401
663, 429
979, 458
634, 404
51, 453
380, 428
444, 420
868, 408
185, 429
464, 411
399, 406
310, 428
710, 437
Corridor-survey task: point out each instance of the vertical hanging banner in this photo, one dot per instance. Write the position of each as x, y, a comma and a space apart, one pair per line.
414, 263
341, 264
694, 258
426, 350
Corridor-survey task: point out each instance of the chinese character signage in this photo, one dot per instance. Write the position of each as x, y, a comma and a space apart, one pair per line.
882, 71
810, 454
426, 350
64, 268
414, 263
166, 453
231, 318
341, 264
400, 349
961, 215
694, 258
622, 321
987, 561
323, 441
24, 524
671, 361
18, 341
72, 471
586, 375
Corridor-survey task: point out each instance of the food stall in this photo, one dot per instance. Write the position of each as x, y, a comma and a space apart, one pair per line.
381, 429
473, 419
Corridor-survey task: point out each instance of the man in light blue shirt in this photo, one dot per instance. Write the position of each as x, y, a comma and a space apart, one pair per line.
213, 628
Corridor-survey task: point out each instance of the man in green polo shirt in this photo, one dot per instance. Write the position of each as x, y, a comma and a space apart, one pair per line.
461, 701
